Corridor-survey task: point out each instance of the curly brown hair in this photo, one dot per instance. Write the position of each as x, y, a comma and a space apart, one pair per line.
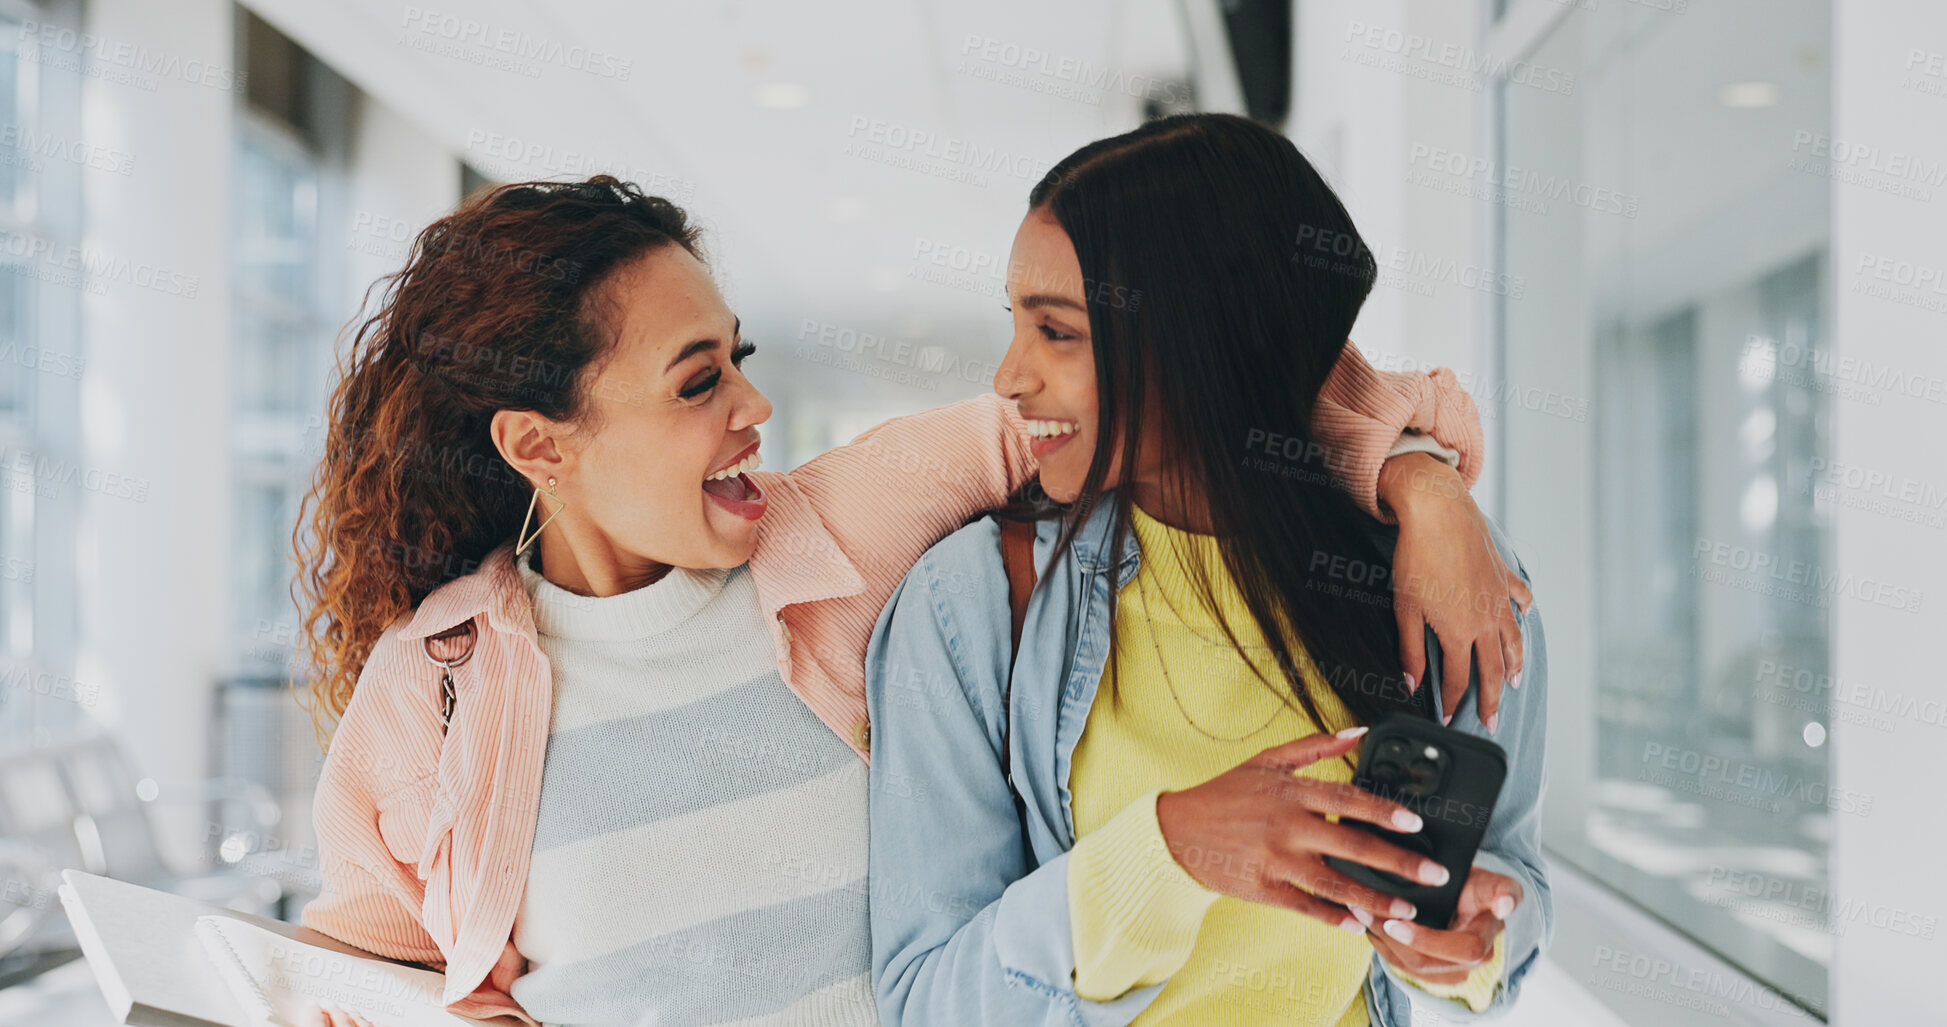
497, 308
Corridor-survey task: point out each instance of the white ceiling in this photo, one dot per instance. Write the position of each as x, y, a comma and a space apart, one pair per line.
798, 228
1721, 201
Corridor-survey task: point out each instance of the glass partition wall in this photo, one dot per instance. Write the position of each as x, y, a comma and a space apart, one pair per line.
1669, 214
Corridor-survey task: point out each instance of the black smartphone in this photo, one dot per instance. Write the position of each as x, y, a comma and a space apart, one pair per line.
1451, 779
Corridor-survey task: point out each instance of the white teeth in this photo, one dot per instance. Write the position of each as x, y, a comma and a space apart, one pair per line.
1050, 429
747, 464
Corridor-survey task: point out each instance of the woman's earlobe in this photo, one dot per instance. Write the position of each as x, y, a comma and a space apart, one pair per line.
526, 441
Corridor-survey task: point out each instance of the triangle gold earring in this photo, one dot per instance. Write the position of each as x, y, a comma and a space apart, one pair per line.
526, 539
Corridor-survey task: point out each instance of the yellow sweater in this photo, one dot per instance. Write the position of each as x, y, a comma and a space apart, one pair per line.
1137, 917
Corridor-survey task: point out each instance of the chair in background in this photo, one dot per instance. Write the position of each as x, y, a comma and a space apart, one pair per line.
81, 805
37, 824
117, 839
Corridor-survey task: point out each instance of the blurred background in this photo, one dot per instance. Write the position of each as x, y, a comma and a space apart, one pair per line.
1685, 254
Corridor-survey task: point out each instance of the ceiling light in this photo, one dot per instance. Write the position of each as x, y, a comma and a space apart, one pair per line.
842, 209
1749, 94
783, 96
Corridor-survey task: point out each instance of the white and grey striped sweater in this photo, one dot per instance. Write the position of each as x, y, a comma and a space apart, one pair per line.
700, 848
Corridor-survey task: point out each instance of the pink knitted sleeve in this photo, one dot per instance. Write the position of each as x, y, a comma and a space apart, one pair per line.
1361, 412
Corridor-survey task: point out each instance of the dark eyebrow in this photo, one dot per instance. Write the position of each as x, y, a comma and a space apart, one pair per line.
702, 346
1044, 300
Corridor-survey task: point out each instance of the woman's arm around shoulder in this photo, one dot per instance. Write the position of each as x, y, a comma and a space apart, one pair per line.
906, 483
1362, 411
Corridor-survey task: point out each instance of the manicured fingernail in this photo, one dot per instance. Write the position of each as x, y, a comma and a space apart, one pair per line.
1400, 930
1410, 684
1353, 732
1446, 718
1515, 681
1350, 924
1503, 905
1404, 909
1433, 873
1407, 820
1363, 916
1494, 723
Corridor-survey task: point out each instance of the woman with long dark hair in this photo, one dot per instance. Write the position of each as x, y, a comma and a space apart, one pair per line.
1123, 816
600, 682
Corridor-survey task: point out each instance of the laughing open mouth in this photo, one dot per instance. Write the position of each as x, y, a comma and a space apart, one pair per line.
733, 490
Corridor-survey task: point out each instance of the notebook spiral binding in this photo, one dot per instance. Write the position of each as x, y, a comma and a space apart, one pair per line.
230, 966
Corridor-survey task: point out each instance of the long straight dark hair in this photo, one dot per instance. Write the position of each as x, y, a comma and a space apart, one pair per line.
1226, 277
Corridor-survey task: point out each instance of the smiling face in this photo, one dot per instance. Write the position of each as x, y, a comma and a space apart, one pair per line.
647, 480
1050, 365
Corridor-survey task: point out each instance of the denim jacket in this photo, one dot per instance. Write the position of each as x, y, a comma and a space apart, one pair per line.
969, 892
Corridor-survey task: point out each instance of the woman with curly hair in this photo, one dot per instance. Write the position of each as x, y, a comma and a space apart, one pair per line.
599, 683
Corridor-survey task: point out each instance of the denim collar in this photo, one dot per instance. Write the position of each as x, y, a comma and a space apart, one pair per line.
1091, 542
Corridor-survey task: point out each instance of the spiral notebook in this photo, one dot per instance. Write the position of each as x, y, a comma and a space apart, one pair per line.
157, 967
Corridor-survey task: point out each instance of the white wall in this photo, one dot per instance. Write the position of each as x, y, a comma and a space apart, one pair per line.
1892, 857
1358, 119
154, 395
153, 574
400, 179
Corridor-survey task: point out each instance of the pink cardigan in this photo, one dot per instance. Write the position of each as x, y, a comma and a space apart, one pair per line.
425, 840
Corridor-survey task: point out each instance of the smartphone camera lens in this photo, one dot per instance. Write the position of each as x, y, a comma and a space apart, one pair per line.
1422, 776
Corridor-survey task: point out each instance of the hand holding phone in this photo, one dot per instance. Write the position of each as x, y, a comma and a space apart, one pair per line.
1261, 833
1448, 956
1451, 779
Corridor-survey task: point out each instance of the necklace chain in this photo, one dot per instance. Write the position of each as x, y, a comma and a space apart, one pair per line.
1143, 591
